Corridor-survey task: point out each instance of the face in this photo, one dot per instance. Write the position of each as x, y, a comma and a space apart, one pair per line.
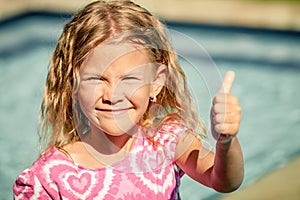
116, 82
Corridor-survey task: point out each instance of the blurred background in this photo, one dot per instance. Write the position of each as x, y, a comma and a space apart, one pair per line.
259, 40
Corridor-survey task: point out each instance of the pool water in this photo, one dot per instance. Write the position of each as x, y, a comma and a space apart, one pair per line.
267, 66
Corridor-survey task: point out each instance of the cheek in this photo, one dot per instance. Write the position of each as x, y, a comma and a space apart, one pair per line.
86, 96
141, 97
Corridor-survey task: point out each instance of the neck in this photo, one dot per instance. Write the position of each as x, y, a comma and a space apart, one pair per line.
106, 143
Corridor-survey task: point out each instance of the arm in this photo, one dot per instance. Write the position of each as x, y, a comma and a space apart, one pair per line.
224, 170
228, 170
27, 186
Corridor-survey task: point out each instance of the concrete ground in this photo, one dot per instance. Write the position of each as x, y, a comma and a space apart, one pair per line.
270, 14
283, 183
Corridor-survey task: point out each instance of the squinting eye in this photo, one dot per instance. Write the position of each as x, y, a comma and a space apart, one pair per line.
94, 78
130, 78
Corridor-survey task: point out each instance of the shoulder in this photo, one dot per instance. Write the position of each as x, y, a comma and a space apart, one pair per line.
168, 135
171, 131
43, 164
51, 163
28, 186
36, 181
26, 178
29, 175
173, 128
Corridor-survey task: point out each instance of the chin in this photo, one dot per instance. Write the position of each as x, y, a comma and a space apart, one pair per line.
110, 127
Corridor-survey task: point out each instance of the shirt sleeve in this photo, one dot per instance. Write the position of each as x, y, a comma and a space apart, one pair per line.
168, 136
27, 186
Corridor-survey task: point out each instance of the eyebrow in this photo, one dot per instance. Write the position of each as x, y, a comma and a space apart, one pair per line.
137, 74
137, 70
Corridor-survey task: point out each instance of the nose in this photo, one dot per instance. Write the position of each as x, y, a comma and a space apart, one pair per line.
112, 94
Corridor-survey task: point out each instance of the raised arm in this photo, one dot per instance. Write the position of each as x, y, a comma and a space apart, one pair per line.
224, 170
228, 170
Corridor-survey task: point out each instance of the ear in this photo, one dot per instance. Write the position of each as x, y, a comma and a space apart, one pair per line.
159, 80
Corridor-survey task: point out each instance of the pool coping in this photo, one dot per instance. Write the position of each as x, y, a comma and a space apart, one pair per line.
14, 50
258, 14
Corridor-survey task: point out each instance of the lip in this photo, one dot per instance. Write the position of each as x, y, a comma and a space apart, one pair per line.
113, 112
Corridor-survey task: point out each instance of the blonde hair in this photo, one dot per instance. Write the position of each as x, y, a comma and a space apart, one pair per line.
91, 26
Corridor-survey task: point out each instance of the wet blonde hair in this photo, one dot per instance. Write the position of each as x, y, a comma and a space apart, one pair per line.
94, 24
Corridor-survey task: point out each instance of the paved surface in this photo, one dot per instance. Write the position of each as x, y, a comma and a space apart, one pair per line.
283, 183
278, 15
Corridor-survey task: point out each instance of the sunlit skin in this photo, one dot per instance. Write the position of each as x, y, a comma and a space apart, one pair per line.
111, 61
114, 94
224, 170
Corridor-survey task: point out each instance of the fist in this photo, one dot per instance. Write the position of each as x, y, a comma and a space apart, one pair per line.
226, 110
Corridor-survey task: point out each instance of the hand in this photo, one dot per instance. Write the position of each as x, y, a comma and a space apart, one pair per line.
226, 111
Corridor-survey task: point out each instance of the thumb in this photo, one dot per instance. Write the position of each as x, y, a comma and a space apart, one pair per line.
227, 82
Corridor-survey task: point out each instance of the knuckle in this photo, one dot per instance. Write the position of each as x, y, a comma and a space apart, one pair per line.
238, 120
219, 98
235, 99
216, 108
219, 118
220, 128
239, 109
215, 99
235, 129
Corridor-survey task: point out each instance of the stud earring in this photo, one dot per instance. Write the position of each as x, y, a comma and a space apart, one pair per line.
153, 99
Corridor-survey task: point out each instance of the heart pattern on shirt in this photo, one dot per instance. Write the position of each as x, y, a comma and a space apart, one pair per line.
80, 183
148, 172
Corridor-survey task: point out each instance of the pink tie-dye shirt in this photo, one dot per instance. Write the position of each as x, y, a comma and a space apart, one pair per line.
148, 172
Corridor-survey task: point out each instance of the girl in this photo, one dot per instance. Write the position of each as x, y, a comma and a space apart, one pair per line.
118, 118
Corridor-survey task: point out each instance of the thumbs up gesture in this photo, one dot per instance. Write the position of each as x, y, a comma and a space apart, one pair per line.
225, 112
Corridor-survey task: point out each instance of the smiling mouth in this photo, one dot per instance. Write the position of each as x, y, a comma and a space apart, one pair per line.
114, 111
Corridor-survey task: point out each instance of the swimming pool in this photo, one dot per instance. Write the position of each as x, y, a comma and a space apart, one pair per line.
267, 66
